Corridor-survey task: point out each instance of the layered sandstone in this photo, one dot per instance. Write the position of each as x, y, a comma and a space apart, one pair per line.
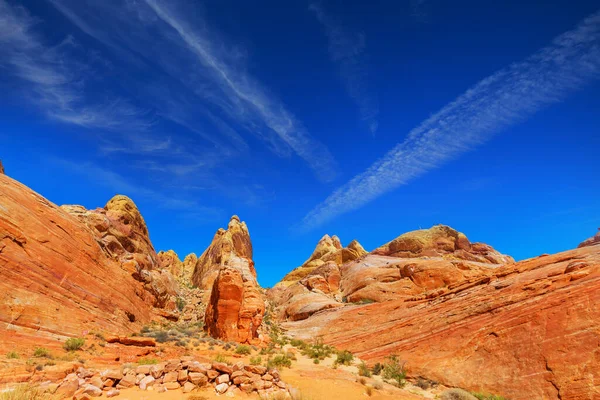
441, 241
527, 330
329, 249
57, 278
229, 246
121, 232
236, 306
591, 241
413, 266
181, 270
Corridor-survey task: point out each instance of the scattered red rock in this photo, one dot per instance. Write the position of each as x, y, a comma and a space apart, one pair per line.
132, 341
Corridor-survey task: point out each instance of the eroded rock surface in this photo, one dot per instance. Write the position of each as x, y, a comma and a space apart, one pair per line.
57, 277
527, 330
594, 240
236, 306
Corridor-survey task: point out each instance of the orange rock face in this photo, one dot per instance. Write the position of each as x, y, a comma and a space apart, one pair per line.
591, 241
527, 330
229, 246
441, 241
180, 270
1, 168
236, 307
121, 231
56, 279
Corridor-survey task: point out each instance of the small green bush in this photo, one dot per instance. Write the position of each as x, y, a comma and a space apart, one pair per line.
41, 352
457, 394
344, 358
74, 344
393, 369
485, 396
377, 368
147, 361
363, 370
222, 359
243, 349
255, 360
12, 354
180, 304
279, 361
161, 336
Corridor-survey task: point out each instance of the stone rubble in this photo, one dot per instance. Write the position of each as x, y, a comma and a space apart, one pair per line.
184, 373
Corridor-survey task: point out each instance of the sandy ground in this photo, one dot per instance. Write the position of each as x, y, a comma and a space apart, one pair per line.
313, 381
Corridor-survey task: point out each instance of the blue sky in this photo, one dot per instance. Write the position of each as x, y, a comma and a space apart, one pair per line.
361, 119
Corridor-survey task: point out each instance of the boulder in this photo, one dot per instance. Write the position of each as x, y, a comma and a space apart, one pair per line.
221, 388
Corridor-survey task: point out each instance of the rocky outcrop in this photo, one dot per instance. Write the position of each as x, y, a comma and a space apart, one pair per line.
181, 270
329, 249
1, 168
236, 306
591, 241
183, 375
441, 241
231, 246
527, 330
122, 233
58, 277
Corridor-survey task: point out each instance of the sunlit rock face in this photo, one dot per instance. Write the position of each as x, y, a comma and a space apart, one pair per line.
226, 270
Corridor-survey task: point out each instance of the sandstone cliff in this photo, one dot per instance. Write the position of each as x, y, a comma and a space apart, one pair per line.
329, 249
181, 270
409, 267
236, 306
57, 278
591, 241
121, 232
527, 330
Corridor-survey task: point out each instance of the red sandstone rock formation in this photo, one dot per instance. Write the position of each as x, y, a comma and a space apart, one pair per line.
591, 241
122, 233
236, 306
181, 270
1, 168
441, 241
527, 330
56, 278
229, 246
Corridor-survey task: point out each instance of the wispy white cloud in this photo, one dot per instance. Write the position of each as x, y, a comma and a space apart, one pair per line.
348, 52
55, 81
499, 101
159, 33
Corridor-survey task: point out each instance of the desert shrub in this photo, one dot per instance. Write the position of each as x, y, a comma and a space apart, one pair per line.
291, 355
180, 303
25, 392
318, 350
41, 352
73, 344
147, 361
369, 391
377, 368
344, 357
12, 354
300, 344
161, 336
316, 361
393, 369
485, 396
227, 346
243, 349
377, 385
100, 336
255, 360
222, 359
457, 394
363, 370
362, 380
279, 361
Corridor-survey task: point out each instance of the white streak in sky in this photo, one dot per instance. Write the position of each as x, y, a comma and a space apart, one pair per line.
499, 101
348, 52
